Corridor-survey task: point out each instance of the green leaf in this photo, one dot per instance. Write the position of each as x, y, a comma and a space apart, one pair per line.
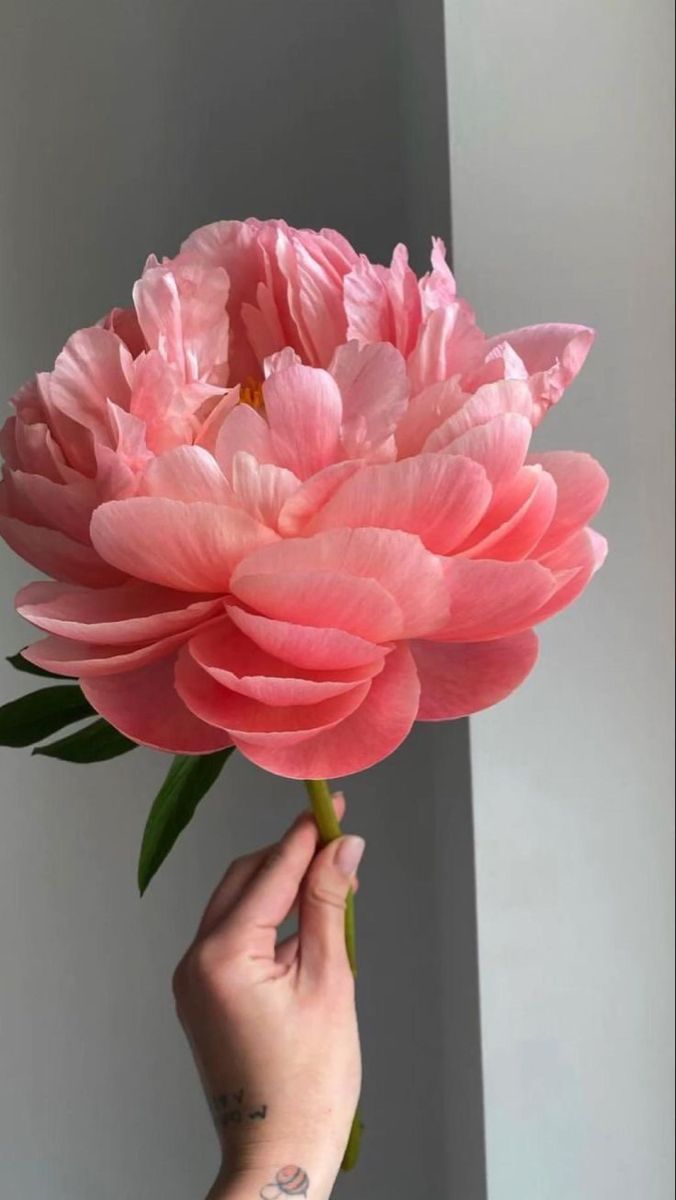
28, 668
97, 742
188, 781
34, 717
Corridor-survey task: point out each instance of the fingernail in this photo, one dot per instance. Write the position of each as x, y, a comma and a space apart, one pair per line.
349, 855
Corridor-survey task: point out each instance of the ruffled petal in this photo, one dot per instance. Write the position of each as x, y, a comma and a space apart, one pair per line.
465, 678
57, 555
581, 488
374, 387
305, 412
262, 489
191, 547
306, 646
493, 599
187, 473
573, 565
131, 613
312, 495
517, 520
553, 355
499, 446
145, 706
243, 430
371, 733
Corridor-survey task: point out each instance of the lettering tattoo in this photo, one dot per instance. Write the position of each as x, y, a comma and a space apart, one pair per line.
290, 1181
233, 1108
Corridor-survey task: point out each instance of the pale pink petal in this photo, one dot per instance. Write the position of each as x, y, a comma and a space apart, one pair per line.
214, 420
239, 714
305, 412
441, 498
517, 520
458, 680
450, 342
191, 547
426, 413
187, 473
315, 296
39, 501
492, 400
573, 564
302, 505
438, 288
145, 706
492, 599
181, 308
387, 560
262, 489
243, 429
124, 323
500, 446
162, 401
581, 485
58, 555
375, 730
94, 366
310, 647
239, 664
553, 355
383, 304
374, 387
131, 613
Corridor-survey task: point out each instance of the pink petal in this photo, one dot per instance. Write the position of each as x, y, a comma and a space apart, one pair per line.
239, 664
93, 367
500, 446
383, 304
243, 429
63, 506
493, 599
187, 473
573, 564
581, 485
374, 731
145, 706
426, 413
374, 387
383, 559
57, 555
89, 660
162, 402
449, 343
191, 547
131, 613
305, 412
552, 354
492, 400
300, 507
240, 714
182, 311
262, 489
441, 498
438, 288
458, 680
517, 519
313, 647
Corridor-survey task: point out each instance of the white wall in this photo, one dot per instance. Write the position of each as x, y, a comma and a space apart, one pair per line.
561, 165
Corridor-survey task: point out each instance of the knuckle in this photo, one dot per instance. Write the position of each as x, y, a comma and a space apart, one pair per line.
323, 895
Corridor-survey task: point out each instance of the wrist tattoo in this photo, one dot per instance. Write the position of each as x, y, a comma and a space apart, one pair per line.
233, 1108
290, 1181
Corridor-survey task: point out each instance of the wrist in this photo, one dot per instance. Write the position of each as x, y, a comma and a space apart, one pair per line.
312, 1178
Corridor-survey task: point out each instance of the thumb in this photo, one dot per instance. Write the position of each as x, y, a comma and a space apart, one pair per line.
322, 911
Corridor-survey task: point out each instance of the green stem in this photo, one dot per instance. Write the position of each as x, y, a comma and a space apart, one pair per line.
329, 831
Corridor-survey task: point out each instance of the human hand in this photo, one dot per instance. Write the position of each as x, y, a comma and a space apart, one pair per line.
272, 1025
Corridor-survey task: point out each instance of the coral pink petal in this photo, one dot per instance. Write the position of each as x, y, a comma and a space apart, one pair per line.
243, 429
313, 495
492, 599
262, 489
191, 547
90, 660
239, 664
375, 730
374, 387
58, 555
362, 607
145, 706
426, 413
458, 680
132, 613
574, 563
552, 354
187, 473
581, 485
39, 501
492, 400
93, 367
250, 718
305, 646
517, 520
387, 558
450, 342
305, 412
500, 446
441, 498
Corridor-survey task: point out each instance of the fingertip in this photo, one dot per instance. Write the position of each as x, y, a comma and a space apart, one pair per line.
339, 804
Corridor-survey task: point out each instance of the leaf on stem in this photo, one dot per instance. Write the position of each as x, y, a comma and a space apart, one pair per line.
188, 781
97, 742
34, 717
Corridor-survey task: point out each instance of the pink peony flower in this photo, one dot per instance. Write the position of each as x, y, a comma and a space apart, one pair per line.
288, 502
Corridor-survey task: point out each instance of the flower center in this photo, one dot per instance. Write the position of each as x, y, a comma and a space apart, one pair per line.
251, 393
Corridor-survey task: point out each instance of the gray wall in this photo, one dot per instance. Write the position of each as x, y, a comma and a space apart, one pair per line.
562, 166
123, 126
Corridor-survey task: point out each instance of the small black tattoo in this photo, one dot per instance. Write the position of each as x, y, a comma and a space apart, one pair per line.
290, 1181
231, 1108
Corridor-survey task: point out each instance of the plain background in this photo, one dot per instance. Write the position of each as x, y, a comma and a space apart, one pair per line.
122, 127
562, 171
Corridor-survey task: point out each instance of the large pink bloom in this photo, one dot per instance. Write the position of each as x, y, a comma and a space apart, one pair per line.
289, 502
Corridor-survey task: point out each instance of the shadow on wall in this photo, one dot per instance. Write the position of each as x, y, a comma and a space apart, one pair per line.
123, 127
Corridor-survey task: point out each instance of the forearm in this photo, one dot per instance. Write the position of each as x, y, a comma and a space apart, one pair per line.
276, 1182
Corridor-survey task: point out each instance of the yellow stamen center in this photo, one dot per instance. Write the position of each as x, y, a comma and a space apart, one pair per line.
251, 393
